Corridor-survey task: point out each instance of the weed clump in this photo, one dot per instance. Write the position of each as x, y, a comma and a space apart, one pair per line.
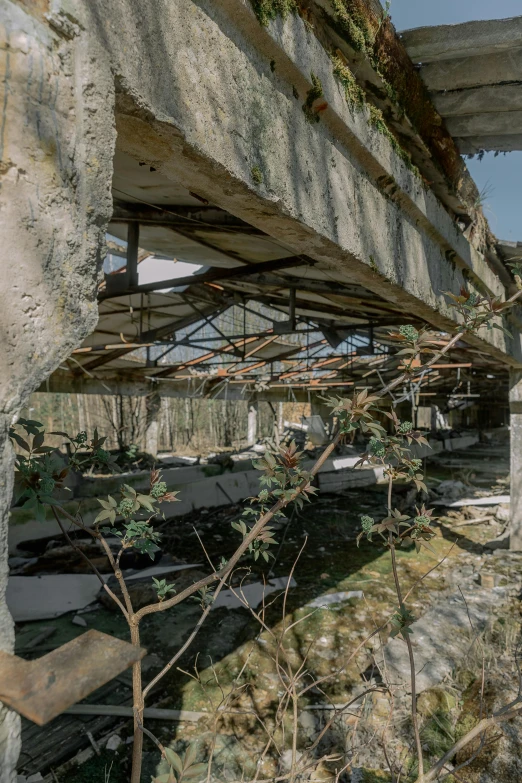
314, 93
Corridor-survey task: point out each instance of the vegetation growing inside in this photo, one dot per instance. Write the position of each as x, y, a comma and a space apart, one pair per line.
131, 520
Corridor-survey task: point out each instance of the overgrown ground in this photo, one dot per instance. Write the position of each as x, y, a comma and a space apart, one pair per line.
231, 664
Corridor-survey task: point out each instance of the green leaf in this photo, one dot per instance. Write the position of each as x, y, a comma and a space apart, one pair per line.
21, 442
168, 777
145, 502
190, 755
105, 514
174, 760
38, 440
198, 770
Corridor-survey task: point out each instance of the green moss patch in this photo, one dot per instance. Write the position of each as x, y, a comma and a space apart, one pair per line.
268, 10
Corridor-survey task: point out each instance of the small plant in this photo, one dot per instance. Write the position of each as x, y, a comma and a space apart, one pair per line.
186, 769
310, 107
257, 175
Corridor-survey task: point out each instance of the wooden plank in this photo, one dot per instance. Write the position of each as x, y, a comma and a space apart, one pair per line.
43, 688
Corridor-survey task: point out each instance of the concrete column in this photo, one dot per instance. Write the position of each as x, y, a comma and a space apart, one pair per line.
252, 423
515, 437
153, 405
56, 146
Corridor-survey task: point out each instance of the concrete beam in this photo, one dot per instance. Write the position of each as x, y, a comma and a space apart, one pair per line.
479, 100
63, 383
470, 39
179, 216
485, 124
334, 189
465, 72
470, 145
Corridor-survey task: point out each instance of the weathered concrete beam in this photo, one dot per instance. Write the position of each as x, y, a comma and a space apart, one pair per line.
465, 72
179, 216
470, 39
485, 124
62, 383
470, 145
493, 98
334, 188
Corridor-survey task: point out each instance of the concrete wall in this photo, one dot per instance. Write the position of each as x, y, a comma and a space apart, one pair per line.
56, 144
208, 486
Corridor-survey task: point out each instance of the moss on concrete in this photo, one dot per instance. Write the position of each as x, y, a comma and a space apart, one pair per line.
352, 92
378, 122
375, 37
267, 10
353, 20
257, 175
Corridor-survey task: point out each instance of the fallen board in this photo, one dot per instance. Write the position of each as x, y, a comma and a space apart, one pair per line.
44, 597
491, 500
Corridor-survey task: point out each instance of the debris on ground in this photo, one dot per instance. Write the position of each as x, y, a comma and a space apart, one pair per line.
251, 595
44, 597
339, 595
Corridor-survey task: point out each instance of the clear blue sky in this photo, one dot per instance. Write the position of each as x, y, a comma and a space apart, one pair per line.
501, 177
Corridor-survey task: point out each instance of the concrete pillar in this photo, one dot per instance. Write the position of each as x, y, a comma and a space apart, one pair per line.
56, 148
515, 436
252, 423
153, 406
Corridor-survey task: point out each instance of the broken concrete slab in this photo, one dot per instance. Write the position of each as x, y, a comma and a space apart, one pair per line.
329, 600
442, 637
253, 594
489, 500
43, 597
159, 570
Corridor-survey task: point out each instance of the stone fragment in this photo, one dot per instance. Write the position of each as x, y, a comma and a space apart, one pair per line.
113, 743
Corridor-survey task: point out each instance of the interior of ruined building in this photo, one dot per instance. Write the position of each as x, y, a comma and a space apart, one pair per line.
223, 328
